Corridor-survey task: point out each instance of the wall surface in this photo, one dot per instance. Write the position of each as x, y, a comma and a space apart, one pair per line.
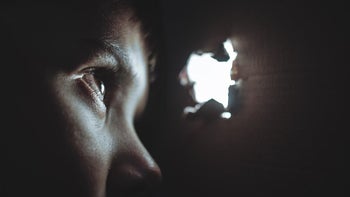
286, 140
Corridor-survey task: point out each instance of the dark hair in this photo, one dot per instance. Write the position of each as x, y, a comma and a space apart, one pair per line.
149, 13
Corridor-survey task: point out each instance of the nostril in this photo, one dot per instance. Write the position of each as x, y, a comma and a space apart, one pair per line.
133, 180
153, 177
145, 184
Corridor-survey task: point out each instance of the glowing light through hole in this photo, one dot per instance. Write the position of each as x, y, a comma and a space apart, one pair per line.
226, 115
211, 78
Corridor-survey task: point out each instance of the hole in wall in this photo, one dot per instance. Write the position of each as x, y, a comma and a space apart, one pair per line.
212, 79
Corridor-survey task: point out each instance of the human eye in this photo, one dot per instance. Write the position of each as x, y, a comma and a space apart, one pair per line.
101, 77
98, 83
95, 81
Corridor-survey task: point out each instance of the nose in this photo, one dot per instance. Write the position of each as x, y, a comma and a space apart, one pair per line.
133, 171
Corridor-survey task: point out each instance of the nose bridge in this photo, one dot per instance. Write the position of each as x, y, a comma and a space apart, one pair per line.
133, 170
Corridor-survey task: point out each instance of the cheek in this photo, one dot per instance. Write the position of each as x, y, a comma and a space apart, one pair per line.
87, 141
93, 152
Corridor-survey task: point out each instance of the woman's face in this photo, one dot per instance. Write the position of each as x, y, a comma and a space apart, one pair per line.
77, 135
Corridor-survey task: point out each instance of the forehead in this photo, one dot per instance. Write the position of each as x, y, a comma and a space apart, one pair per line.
121, 25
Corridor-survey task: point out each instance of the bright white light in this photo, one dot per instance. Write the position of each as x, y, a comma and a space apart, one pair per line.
226, 115
210, 77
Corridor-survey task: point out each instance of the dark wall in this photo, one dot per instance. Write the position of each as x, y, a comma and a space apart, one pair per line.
287, 138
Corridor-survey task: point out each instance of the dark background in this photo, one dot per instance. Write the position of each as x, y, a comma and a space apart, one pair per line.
287, 139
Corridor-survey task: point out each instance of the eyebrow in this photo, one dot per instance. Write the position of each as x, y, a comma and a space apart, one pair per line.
105, 46
114, 50
101, 46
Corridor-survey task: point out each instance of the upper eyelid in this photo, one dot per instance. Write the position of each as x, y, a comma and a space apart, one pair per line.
114, 74
100, 59
114, 50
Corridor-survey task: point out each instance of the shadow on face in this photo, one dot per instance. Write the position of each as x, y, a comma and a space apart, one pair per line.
79, 77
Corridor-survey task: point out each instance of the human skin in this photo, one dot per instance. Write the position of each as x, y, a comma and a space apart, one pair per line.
77, 96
